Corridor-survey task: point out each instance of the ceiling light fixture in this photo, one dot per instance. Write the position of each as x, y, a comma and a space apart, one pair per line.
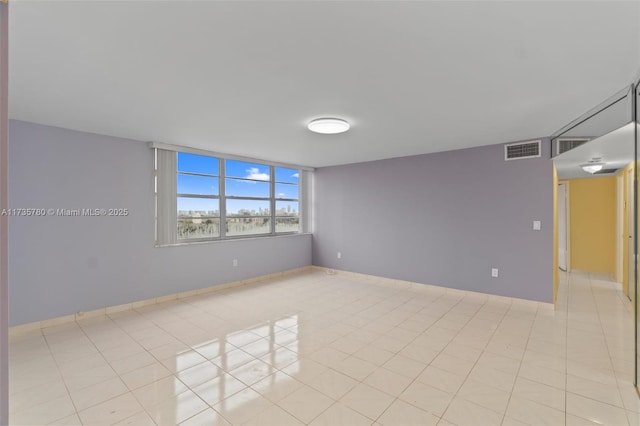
594, 165
328, 126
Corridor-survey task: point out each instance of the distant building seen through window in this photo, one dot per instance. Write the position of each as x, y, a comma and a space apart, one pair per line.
219, 198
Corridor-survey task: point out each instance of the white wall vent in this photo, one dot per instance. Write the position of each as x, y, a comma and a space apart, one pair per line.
566, 144
521, 150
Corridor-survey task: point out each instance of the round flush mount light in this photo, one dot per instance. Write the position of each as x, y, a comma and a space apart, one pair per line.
328, 126
594, 165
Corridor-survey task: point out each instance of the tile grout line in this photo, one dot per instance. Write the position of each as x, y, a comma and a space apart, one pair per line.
573, 288
504, 416
396, 398
608, 349
77, 411
398, 353
442, 351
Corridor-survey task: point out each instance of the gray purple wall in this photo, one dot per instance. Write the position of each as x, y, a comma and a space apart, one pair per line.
62, 265
444, 219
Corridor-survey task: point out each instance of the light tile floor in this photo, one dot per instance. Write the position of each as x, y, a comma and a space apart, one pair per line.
335, 350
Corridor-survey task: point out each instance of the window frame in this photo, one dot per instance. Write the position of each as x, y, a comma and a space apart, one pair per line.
249, 198
222, 198
199, 197
276, 199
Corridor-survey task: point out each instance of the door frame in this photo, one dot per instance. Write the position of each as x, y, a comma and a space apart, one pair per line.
567, 212
631, 234
621, 238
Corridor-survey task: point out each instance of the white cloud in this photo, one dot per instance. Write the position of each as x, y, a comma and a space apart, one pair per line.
281, 194
254, 173
295, 175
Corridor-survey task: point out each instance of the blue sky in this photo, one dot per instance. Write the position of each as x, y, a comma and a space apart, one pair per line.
258, 186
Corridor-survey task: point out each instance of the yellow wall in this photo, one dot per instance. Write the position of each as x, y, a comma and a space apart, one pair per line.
592, 212
556, 272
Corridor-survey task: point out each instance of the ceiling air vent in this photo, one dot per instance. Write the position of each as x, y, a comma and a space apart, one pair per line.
566, 144
521, 150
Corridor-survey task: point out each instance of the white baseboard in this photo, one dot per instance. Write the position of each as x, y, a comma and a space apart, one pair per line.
418, 287
382, 281
81, 315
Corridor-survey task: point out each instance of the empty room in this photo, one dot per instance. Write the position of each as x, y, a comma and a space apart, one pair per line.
382, 213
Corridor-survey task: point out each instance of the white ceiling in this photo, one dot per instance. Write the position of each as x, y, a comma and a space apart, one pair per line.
245, 77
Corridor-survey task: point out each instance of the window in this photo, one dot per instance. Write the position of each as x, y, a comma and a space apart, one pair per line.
248, 197
287, 199
211, 198
198, 196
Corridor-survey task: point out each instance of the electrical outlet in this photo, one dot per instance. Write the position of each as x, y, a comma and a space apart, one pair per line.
536, 225
235, 263
339, 255
494, 272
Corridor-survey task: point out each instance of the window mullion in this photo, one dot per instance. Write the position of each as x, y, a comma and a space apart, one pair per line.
272, 191
304, 203
223, 199
240, 197
197, 174
209, 197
